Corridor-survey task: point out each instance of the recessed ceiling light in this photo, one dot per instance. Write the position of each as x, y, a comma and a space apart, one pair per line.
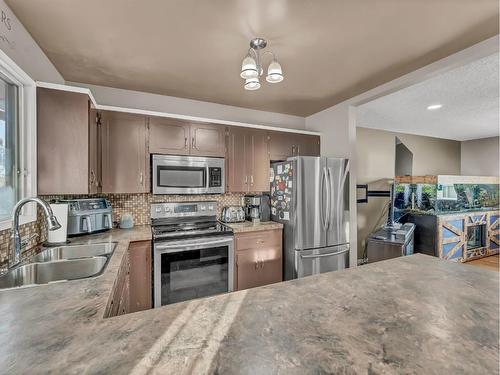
434, 106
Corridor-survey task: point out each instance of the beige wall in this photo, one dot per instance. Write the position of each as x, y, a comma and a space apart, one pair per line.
375, 150
480, 157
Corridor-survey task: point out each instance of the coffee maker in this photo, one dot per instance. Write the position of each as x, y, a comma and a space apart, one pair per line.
257, 208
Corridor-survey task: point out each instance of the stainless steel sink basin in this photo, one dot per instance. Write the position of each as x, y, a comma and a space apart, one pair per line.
47, 272
75, 251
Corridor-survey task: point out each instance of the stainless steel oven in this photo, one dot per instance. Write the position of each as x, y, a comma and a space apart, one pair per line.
193, 253
175, 174
192, 268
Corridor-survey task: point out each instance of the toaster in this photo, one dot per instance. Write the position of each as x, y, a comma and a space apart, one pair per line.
232, 214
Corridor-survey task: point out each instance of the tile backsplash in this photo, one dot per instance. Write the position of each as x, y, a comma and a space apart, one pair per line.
138, 205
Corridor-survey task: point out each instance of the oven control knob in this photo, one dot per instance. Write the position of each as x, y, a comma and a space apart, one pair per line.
210, 208
203, 208
167, 209
158, 209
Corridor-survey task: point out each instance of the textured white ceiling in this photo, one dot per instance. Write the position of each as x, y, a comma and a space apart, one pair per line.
469, 96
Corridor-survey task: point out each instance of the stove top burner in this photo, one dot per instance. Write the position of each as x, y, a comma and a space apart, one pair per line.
189, 229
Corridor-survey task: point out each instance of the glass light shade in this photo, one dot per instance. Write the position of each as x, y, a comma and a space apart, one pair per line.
252, 84
274, 73
249, 68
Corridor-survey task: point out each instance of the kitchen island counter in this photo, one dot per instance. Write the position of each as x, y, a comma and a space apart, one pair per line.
387, 317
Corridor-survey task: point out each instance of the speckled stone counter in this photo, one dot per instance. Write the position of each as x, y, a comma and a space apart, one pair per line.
248, 226
391, 317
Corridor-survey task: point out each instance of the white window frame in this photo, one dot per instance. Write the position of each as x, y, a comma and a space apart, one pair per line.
26, 167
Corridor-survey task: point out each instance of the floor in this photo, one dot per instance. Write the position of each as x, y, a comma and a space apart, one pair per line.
491, 262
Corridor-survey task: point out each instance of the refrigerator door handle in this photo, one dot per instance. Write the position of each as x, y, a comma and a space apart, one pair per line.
324, 255
328, 198
323, 211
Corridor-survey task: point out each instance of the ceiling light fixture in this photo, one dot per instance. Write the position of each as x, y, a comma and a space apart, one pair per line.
251, 67
433, 107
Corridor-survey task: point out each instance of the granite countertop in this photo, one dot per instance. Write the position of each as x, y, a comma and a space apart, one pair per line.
248, 226
416, 314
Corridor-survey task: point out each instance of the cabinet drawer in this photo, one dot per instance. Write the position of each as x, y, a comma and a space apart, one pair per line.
268, 238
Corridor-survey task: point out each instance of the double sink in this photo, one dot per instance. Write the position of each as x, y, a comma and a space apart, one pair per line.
60, 264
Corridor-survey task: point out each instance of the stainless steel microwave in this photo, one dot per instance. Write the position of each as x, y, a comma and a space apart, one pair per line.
175, 174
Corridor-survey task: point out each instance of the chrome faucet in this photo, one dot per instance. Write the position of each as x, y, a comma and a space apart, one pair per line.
16, 244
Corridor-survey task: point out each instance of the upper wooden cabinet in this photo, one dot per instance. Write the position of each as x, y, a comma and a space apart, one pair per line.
66, 143
307, 145
168, 136
207, 139
175, 137
236, 173
124, 157
247, 160
283, 145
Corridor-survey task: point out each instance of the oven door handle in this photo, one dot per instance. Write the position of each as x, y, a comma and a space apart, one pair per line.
187, 245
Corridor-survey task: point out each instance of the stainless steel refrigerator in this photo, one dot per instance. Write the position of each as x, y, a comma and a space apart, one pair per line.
310, 196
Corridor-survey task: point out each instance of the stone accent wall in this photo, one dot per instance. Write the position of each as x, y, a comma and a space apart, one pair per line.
136, 204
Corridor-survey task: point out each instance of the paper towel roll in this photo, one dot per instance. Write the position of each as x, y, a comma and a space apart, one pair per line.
60, 211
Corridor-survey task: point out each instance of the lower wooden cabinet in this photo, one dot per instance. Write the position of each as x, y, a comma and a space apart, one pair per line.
132, 290
258, 258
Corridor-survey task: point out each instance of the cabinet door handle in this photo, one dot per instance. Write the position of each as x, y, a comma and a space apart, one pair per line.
193, 142
262, 263
257, 264
185, 143
251, 180
246, 180
141, 178
293, 150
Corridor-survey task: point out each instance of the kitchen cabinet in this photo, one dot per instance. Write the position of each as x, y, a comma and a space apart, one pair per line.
124, 158
66, 143
236, 160
118, 302
175, 137
307, 145
207, 139
283, 145
140, 279
94, 152
168, 136
247, 160
258, 259
132, 290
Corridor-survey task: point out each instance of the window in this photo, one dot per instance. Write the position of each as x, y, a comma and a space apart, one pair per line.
8, 147
17, 140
